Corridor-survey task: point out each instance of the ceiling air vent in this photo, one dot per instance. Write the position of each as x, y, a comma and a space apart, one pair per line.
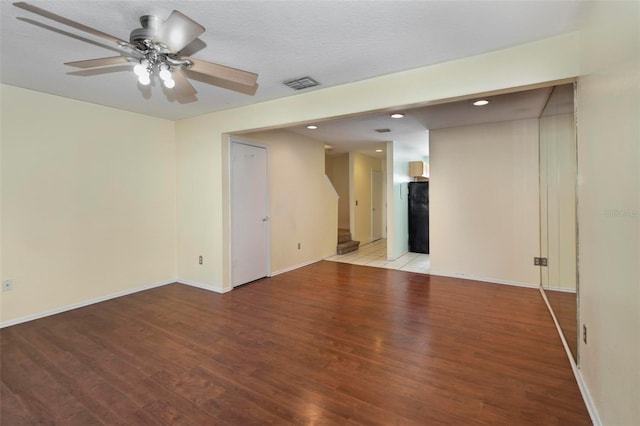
383, 130
301, 83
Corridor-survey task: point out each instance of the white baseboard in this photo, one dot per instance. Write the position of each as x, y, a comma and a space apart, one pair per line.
294, 267
81, 304
486, 279
203, 286
222, 291
561, 289
588, 401
586, 396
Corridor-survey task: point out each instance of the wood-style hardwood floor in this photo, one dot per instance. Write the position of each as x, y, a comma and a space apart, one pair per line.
330, 343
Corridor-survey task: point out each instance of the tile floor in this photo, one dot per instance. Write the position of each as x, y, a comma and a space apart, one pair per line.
375, 254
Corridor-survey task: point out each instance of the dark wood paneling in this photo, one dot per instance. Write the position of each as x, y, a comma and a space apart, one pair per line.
330, 343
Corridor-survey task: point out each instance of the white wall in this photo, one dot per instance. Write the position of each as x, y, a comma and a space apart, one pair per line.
609, 209
483, 202
303, 208
88, 202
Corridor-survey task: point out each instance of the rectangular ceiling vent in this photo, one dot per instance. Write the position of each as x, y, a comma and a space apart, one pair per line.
383, 130
301, 83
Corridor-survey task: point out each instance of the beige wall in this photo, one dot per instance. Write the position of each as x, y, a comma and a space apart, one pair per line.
337, 169
303, 207
200, 141
200, 213
88, 202
399, 154
558, 201
609, 209
483, 202
88, 193
362, 166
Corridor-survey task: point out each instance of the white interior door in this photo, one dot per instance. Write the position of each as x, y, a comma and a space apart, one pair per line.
376, 205
249, 213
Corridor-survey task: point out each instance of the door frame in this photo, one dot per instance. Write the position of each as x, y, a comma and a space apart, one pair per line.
381, 198
229, 249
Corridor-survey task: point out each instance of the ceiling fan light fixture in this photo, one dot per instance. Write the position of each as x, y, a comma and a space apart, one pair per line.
165, 74
140, 70
144, 79
169, 83
157, 48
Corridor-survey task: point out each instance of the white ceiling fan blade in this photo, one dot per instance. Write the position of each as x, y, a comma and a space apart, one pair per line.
183, 89
99, 71
76, 36
69, 22
98, 62
192, 48
225, 84
178, 31
234, 75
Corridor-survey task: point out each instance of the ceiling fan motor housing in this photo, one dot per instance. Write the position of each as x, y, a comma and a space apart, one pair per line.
147, 33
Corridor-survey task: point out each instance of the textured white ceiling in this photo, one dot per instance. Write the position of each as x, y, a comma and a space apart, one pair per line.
335, 42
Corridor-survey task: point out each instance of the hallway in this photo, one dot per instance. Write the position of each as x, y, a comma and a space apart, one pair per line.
375, 254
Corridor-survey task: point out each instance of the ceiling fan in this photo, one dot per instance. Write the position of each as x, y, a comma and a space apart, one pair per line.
155, 49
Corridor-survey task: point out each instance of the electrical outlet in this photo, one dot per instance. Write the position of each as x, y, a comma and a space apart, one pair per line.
200, 260
7, 285
540, 261
584, 333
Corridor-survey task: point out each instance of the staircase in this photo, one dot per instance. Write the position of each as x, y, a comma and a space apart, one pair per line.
345, 243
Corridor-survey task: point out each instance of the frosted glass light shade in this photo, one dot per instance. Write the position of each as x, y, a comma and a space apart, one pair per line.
165, 74
169, 83
140, 70
144, 79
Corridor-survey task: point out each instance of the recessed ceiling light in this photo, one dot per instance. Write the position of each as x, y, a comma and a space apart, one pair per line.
312, 127
397, 115
481, 102
378, 150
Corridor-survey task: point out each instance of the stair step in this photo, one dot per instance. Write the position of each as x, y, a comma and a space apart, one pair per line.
344, 235
343, 238
347, 247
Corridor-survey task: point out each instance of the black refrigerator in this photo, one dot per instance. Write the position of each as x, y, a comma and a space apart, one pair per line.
419, 217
